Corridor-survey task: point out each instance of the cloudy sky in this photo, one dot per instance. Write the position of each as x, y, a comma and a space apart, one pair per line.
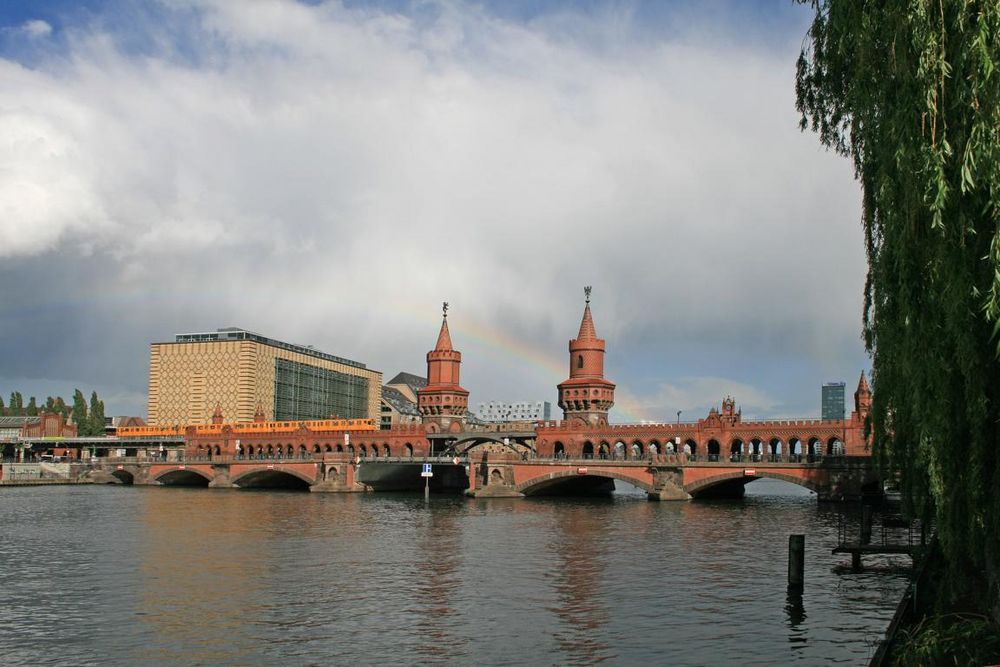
328, 173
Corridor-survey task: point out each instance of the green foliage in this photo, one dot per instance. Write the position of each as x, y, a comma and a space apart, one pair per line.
953, 639
16, 406
32, 409
96, 419
61, 407
3, 410
50, 404
80, 414
910, 91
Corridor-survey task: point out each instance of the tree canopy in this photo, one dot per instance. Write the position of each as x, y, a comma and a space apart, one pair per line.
909, 90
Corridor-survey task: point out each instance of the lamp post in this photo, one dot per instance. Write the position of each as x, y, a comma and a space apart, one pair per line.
679, 417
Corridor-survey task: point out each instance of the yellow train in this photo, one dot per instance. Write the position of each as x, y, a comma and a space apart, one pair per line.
149, 431
261, 428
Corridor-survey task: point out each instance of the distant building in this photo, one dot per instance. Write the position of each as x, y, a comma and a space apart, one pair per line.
241, 371
833, 400
111, 424
498, 411
408, 384
397, 409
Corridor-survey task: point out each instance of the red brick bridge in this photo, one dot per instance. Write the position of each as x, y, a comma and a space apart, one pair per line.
486, 474
718, 454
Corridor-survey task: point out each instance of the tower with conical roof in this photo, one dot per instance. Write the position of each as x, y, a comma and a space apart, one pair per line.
863, 397
586, 396
443, 402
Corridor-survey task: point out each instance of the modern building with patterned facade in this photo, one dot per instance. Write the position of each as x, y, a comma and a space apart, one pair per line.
241, 371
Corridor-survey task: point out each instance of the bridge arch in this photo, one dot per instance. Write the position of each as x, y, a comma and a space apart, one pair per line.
815, 448
123, 476
795, 447
462, 446
737, 449
182, 477
708, 482
690, 448
270, 478
713, 449
776, 449
543, 482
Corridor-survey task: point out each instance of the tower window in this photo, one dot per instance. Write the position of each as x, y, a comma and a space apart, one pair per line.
579, 361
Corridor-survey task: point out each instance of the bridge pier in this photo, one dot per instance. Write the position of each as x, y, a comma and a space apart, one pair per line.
492, 479
338, 477
220, 477
668, 484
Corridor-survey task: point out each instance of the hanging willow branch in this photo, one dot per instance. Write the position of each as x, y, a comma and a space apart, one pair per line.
908, 89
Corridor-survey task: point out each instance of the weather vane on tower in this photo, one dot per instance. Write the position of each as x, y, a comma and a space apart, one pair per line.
586, 291
444, 308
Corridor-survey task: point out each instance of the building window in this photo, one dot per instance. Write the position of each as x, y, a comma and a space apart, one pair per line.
579, 361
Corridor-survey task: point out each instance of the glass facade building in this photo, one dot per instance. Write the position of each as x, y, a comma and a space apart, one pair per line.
833, 400
309, 392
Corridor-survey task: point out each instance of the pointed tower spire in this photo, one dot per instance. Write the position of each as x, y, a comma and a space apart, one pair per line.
587, 395
444, 337
217, 415
258, 416
587, 330
863, 397
443, 402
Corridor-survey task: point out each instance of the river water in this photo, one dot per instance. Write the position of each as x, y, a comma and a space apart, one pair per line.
175, 576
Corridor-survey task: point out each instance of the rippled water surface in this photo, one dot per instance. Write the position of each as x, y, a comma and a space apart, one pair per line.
172, 576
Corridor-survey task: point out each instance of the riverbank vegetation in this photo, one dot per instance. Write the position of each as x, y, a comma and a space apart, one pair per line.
909, 90
89, 420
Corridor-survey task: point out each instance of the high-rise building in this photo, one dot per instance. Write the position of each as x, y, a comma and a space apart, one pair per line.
500, 411
240, 371
833, 400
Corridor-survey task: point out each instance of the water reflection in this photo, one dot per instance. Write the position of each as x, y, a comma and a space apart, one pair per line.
577, 554
203, 576
438, 581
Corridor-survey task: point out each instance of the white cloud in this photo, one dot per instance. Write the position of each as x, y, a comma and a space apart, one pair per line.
297, 166
694, 396
36, 28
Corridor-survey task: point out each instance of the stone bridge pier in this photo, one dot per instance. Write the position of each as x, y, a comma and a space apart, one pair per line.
338, 477
668, 484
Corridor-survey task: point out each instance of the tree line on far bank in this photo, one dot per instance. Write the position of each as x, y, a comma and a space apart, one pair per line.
89, 420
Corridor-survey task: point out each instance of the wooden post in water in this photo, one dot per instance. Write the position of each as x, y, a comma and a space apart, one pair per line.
796, 562
866, 524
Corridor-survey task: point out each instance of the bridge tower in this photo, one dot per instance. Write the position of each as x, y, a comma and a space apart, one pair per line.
863, 398
443, 402
586, 396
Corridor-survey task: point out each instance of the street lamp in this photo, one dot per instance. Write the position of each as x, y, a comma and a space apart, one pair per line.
679, 416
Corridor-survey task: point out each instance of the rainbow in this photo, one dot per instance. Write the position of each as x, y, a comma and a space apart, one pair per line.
551, 368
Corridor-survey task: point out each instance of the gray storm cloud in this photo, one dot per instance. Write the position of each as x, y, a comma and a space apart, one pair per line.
320, 174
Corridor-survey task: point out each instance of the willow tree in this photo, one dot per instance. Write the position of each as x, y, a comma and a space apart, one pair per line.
909, 90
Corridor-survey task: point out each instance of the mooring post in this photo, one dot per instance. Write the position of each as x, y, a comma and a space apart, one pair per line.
796, 562
866, 524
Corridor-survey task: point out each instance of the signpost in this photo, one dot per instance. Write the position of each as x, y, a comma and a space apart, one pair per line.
427, 473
